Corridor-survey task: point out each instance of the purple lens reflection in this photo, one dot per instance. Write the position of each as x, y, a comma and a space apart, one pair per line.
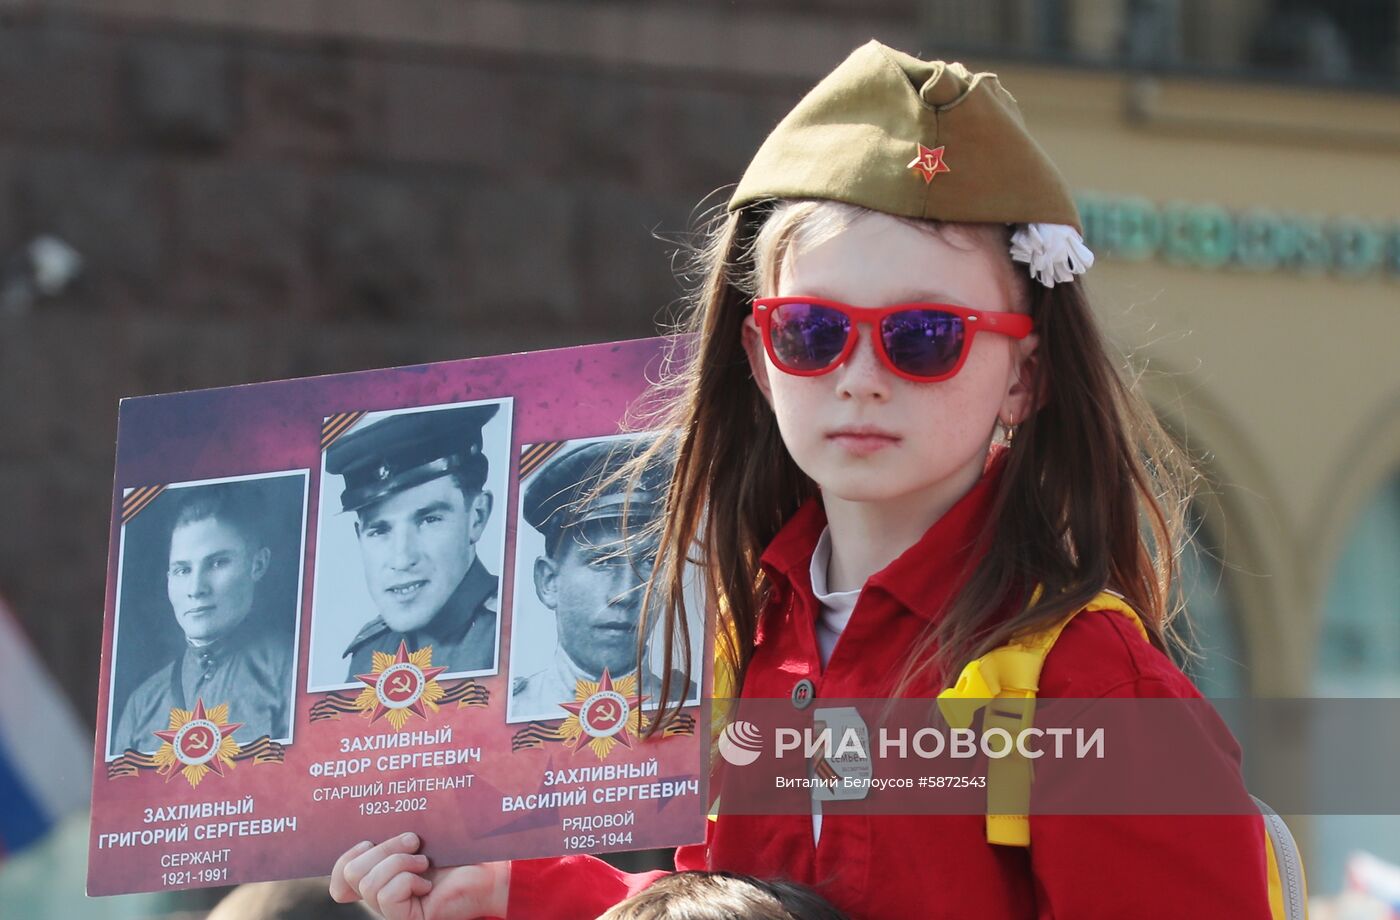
808, 337
925, 343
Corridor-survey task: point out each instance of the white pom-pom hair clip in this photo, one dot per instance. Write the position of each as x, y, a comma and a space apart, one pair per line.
1054, 252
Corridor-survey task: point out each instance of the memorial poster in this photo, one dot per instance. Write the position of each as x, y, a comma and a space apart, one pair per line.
344, 607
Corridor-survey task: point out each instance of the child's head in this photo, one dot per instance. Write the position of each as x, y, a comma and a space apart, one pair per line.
862, 431
897, 181
723, 896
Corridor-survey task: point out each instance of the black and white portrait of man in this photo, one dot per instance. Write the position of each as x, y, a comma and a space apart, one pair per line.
413, 541
580, 578
208, 608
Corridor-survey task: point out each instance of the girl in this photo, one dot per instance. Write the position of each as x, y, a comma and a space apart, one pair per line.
891, 433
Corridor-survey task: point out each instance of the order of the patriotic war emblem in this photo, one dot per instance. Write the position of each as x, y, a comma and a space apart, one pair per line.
400, 685
604, 714
197, 743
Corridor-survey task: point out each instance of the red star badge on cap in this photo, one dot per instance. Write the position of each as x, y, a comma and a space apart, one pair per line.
929, 163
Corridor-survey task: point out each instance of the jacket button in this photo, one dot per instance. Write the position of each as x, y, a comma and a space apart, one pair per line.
802, 693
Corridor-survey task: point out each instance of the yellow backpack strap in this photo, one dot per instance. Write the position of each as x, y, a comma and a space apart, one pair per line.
1006, 681
724, 687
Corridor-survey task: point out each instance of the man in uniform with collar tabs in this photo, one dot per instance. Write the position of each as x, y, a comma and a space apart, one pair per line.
218, 557
417, 485
592, 575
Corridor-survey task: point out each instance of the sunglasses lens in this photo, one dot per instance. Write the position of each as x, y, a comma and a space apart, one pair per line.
808, 337
924, 343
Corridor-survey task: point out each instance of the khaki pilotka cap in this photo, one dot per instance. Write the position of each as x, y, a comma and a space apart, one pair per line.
923, 139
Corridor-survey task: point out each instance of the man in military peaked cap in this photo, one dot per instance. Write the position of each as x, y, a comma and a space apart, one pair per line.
417, 485
593, 573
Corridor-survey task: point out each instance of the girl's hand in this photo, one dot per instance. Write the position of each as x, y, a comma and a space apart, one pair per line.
395, 881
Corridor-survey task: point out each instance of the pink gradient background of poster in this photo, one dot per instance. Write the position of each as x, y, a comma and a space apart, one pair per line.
559, 394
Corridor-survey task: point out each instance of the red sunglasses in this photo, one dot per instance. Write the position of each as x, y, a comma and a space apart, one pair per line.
923, 342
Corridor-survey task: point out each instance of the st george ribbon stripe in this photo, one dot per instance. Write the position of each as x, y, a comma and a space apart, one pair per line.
537, 454
336, 425
263, 750
136, 496
137, 501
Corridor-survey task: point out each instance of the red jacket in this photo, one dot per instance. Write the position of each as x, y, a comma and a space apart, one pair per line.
941, 866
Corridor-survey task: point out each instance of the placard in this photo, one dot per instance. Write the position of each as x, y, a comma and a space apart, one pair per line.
345, 607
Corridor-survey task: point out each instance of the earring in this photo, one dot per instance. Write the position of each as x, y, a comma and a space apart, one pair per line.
1009, 430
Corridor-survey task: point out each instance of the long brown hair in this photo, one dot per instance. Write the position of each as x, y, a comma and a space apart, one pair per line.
1093, 495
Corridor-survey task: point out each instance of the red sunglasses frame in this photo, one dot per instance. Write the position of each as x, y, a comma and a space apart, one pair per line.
1015, 325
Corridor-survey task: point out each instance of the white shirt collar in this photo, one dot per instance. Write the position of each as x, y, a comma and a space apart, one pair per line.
821, 561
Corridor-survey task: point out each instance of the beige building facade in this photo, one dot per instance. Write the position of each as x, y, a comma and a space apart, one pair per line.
1249, 244
1286, 379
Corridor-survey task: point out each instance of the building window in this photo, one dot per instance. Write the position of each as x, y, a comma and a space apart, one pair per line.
1359, 656
1307, 42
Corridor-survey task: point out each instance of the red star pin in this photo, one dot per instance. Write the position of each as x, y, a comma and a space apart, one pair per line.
929, 163
601, 712
399, 687
198, 739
